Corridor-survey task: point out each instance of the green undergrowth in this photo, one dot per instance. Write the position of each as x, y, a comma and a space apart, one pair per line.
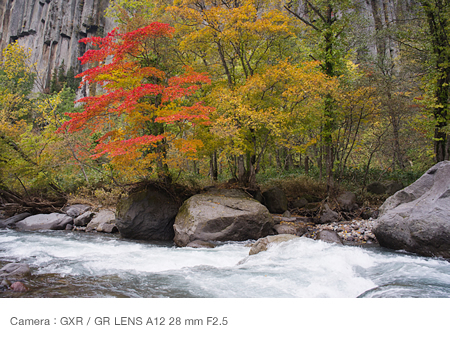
295, 183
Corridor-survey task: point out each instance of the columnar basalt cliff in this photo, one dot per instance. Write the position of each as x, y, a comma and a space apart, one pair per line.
52, 28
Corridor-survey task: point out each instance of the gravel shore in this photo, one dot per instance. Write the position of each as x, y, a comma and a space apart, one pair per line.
354, 232
358, 231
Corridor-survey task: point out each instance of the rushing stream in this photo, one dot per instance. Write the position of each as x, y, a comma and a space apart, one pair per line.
71, 264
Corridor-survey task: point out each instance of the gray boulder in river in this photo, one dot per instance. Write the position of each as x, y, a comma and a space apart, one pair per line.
417, 218
53, 221
221, 215
147, 214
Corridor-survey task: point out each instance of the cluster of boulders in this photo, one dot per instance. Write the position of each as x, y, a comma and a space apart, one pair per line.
219, 215
74, 217
415, 219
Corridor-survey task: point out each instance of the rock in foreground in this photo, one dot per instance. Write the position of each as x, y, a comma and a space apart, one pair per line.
416, 219
221, 215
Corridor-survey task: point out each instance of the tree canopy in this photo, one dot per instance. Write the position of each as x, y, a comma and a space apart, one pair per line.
233, 89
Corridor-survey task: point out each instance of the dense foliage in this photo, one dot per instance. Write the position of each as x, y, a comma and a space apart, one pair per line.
186, 89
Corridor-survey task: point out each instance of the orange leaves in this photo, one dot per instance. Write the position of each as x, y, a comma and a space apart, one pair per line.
122, 47
185, 85
196, 113
128, 146
154, 30
141, 110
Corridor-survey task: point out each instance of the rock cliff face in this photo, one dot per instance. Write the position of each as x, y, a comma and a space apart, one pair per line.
52, 28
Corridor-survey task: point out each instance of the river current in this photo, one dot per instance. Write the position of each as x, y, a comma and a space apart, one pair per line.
72, 264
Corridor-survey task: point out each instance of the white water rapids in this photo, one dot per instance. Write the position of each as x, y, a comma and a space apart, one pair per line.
71, 264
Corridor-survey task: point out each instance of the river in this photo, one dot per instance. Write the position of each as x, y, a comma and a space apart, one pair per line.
74, 264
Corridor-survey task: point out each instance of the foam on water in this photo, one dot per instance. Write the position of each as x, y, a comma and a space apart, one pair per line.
299, 268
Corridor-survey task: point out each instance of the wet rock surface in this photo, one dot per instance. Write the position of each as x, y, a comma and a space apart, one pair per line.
200, 244
18, 287
329, 236
13, 276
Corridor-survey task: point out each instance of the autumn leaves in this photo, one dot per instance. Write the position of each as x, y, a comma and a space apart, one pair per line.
141, 112
256, 93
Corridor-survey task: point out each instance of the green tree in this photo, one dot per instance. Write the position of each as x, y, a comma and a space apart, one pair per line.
437, 14
329, 21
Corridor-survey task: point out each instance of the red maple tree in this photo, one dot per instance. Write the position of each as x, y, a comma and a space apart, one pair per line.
141, 113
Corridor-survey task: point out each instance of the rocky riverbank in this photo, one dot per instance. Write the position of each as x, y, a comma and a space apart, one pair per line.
354, 232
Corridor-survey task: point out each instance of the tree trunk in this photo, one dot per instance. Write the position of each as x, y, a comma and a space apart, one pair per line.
438, 25
214, 172
397, 158
306, 165
242, 177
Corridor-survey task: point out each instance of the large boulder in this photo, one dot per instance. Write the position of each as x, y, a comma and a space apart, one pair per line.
416, 219
275, 200
53, 221
221, 215
148, 214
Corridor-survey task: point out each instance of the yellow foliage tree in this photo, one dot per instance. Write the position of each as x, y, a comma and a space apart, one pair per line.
275, 105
